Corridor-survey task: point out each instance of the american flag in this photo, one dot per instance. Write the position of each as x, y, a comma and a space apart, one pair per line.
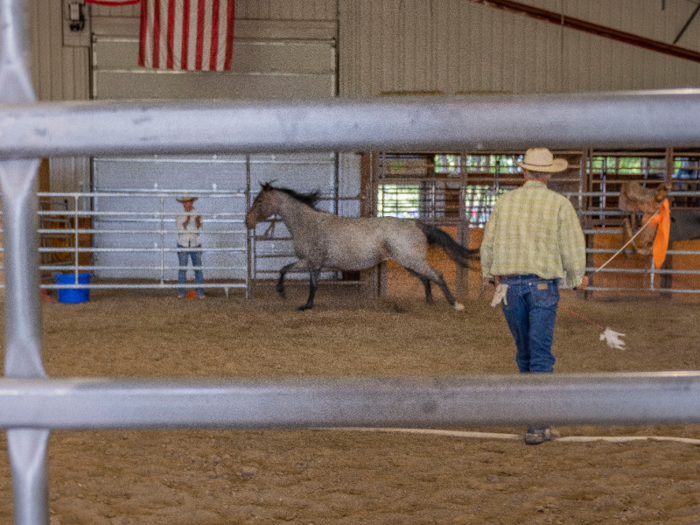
186, 34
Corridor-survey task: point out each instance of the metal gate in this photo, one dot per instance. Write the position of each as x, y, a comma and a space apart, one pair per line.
32, 404
458, 189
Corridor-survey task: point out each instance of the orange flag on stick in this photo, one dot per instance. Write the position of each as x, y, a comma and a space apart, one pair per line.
662, 221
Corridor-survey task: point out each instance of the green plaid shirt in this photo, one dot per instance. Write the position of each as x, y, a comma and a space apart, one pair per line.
534, 230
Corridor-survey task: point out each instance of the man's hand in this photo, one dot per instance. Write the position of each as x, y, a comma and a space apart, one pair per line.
584, 283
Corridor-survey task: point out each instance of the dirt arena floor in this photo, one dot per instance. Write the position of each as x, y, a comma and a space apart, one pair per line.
339, 477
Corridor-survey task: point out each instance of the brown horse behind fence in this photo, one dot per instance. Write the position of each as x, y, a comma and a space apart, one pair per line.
636, 199
325, 241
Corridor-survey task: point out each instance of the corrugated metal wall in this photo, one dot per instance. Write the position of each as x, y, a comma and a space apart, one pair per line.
451, 46
458, 46
251, 9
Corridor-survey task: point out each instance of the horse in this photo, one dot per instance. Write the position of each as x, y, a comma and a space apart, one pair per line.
635, 199
323, 240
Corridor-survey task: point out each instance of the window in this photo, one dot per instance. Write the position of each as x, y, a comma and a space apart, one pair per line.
398, 200
436, 191
479, 203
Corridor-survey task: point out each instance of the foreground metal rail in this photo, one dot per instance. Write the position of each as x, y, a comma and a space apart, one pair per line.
573, 399
606, 120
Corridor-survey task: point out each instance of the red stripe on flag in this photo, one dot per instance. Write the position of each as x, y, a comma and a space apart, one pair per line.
156, 34
171, 34
229, 35
185, 33
200, 36
214, 51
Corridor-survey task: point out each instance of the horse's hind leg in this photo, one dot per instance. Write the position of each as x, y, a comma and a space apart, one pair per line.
426, 284
409, 258
437, 278
313, 286
448, 295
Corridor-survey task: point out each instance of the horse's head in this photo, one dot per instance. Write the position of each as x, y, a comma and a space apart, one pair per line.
263, 206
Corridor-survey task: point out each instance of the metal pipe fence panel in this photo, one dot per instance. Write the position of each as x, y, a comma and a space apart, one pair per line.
31, 405
129, 238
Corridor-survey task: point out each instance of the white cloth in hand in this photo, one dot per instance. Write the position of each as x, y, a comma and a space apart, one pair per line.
613, 339
500, 295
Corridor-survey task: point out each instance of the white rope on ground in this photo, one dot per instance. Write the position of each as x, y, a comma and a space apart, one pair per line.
514, 437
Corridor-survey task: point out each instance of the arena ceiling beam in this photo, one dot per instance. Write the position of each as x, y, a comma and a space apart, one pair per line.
644, 119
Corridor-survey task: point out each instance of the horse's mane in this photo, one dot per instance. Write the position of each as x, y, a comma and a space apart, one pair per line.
310, 199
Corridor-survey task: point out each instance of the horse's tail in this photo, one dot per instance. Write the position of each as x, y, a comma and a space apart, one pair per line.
456, 251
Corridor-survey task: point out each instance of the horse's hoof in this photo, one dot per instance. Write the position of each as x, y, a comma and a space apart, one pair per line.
304, 308
458, 306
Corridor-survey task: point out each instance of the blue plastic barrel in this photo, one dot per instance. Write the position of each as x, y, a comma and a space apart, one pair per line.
73, 295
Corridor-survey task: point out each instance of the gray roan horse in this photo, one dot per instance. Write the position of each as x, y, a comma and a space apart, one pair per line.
325, 241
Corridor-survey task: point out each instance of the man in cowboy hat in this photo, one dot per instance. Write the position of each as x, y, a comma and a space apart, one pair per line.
532, 242
189, 225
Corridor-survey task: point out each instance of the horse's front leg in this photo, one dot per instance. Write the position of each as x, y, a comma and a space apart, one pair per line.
313, 286
280, 282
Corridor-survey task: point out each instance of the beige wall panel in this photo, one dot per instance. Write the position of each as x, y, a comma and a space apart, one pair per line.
259, 57
448, 46
286, 9
120, 11
69, 174
456, 46
75, 86
596, 64
643, 17
254, 9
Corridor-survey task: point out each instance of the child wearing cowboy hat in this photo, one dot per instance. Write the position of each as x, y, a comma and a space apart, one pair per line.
189, 224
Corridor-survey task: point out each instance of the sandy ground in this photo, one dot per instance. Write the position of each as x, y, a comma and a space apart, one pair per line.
348, 477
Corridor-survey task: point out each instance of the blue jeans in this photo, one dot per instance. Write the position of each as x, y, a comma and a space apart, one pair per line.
530, 313
182, 274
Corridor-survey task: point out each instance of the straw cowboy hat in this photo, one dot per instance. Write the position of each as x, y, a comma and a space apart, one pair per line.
187, 199
542, 160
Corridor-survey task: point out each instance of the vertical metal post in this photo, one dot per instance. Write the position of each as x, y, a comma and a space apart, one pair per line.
29, 475
19, 183
250, 238
588, 185
162, 240
76, 239
462, 277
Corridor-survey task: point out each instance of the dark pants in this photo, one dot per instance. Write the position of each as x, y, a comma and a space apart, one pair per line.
182, 273
531, 312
